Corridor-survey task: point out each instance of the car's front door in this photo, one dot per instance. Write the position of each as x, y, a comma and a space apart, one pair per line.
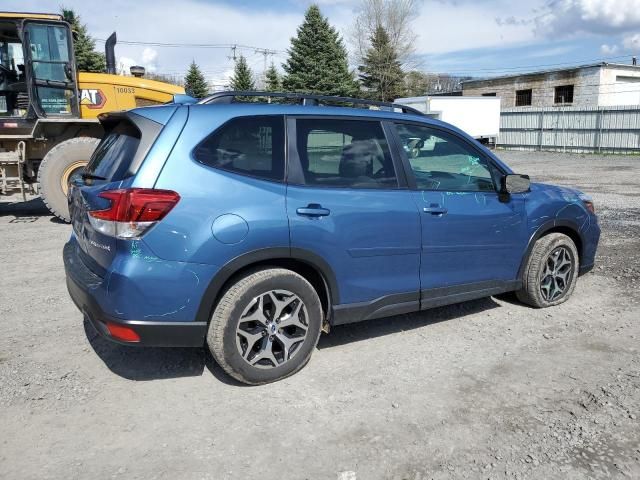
347, 203
473, 238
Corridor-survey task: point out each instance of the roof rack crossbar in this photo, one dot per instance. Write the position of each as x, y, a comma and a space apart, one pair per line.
305, 99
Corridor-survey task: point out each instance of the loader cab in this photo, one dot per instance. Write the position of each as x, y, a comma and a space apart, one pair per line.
37, 70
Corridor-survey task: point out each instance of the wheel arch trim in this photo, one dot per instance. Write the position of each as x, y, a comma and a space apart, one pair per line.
547, 227
260, 256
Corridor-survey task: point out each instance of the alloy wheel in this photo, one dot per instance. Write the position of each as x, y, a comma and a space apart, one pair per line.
272, 329
557, 274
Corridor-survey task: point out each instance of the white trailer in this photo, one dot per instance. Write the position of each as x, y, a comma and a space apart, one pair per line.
477, 116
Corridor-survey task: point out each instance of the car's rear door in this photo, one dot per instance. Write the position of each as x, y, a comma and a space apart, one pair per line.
473, 237
347, 202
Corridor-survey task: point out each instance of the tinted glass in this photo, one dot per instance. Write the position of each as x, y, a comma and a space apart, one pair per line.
441, 161
49, 46
344, 153
248, 145
115, 153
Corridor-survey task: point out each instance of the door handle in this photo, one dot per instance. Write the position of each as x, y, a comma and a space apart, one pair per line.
313, 210
435, 210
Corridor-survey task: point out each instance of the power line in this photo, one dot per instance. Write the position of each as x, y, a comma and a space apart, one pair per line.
576, 63
234, 46
192, 45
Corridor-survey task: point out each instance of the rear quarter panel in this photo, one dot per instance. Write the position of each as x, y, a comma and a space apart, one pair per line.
249, 213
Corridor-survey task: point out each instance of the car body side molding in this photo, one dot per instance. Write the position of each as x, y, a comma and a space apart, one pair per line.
400, 303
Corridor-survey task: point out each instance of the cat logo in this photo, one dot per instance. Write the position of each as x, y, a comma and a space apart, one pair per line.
92, 98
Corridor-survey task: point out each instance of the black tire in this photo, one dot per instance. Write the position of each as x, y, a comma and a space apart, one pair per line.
226, 345
55, 165
535, 289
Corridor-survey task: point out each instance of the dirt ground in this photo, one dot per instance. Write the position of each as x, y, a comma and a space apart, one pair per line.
485, 389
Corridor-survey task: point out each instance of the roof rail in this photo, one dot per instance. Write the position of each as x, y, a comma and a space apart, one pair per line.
305, 99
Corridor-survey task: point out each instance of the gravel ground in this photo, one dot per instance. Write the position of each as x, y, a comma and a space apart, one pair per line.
485, 389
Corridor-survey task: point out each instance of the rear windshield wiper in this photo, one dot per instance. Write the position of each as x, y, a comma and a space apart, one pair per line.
91, 176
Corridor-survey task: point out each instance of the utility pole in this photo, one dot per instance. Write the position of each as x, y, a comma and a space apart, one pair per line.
265, 52
233, 53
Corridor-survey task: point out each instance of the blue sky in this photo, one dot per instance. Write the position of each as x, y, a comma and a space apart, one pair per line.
477, 38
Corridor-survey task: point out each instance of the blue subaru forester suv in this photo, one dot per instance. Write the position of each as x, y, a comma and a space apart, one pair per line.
251, 227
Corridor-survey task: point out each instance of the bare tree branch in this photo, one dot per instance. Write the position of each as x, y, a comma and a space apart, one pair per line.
396, 17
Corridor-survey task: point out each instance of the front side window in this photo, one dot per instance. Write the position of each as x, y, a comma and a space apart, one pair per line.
251, 146
344, 153
443, 162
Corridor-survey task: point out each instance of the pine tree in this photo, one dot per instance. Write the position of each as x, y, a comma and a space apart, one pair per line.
272, 79
87, 59
318, 59
382, 74
242, 79
195, 83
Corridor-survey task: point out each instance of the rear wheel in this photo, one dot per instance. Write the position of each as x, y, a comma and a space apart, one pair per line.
265, 326
551, 272
59, 167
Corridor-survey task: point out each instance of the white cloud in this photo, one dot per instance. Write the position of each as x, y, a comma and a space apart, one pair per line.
632, 42
441, 26
446, 26
124, 64
150, 59
609, 49
569, 17
149, 62
187, 21
551, 51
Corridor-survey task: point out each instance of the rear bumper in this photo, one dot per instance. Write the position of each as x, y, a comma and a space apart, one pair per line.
80, 284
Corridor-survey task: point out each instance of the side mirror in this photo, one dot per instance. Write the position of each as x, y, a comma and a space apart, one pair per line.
515, 183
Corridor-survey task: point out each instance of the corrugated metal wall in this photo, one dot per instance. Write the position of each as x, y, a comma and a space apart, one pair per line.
571, 129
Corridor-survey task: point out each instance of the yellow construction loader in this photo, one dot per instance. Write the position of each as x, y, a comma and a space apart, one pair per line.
48, 111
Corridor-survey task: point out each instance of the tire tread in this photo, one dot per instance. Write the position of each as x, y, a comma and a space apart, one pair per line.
223, 311
530, 293
47, 163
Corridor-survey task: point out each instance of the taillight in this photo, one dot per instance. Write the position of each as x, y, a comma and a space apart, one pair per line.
132, 211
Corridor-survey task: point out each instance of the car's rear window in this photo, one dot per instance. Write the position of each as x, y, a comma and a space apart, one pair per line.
115, 153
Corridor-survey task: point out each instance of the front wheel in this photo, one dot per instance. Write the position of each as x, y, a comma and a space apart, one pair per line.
551, 271
265, 326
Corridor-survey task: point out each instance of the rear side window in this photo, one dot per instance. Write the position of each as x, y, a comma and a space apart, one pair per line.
115, 153
251, 146
344, 153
